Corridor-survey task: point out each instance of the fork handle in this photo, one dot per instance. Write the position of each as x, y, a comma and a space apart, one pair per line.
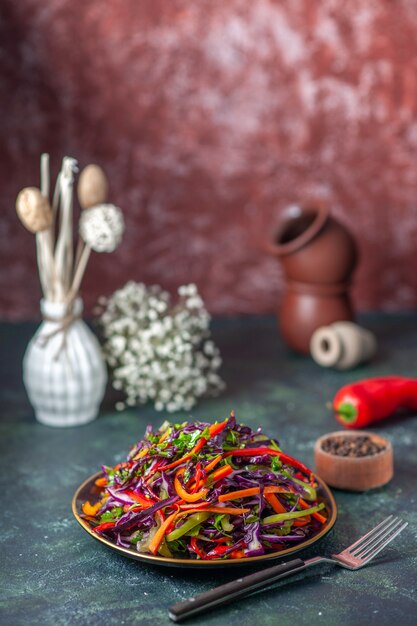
234, 590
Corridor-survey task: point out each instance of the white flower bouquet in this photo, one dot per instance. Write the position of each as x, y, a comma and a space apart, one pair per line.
159, 351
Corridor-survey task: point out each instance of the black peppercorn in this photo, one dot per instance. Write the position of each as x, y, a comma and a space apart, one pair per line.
361, 445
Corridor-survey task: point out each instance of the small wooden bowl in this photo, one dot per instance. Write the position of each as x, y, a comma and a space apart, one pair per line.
354, 473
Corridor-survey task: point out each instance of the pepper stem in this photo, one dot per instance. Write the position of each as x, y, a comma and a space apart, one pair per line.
347, 412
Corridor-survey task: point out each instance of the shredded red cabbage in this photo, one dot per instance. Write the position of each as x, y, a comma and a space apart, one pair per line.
190, 491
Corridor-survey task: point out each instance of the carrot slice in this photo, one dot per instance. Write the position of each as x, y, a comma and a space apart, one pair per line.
213, 463
183, 494
222, 472
275, 503
236, 495
164, 436
273, 489
101, 482
218, 509
161, 532
140, 454
251, 491
237, 554
199, 505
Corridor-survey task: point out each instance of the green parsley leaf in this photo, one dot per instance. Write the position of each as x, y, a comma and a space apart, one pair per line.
177, 546
111, 515
276, 464
218, 521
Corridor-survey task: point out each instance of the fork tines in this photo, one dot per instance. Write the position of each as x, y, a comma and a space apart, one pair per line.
368, 546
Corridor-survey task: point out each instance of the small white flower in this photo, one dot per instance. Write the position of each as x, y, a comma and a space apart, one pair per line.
194, 302
216, 362
118, 344
208, 347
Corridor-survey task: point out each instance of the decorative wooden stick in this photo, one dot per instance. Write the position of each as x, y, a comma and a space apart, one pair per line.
70, 244
57, 192
45, 181
63, 250
41, 267
78, 253
45, 239
35, 214
79, 274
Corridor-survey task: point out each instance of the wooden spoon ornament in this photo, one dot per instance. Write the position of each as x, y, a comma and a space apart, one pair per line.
92, 186
34, 210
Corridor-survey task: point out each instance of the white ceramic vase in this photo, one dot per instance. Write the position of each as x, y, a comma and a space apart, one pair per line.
63, 369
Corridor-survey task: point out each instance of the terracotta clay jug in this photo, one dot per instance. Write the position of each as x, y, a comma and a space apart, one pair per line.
318, 255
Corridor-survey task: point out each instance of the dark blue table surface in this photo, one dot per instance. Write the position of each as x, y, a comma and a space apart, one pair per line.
52, 572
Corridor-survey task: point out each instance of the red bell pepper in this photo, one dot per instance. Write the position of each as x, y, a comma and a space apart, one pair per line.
217, 551
136, 497
220, 550
195, 548
103, 526
198, 474
368, 401
215, 429
282, 457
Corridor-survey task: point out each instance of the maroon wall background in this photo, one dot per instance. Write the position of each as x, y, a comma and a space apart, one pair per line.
210, 117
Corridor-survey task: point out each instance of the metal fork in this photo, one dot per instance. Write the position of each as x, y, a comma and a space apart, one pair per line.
354, 557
